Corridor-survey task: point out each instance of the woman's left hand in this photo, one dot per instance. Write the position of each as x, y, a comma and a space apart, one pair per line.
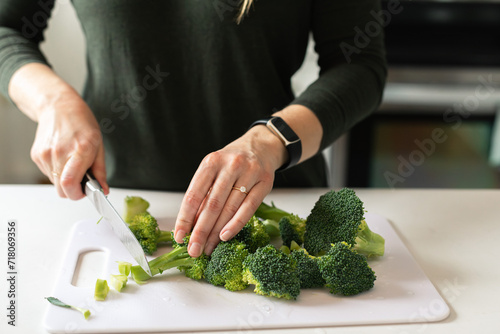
227, 189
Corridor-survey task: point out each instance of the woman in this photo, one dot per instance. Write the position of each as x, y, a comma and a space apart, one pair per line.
172, 83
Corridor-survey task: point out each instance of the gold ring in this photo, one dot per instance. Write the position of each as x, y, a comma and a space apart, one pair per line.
242, 189
55, 174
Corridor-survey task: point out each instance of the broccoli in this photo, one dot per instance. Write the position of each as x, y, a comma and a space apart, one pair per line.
148, 233
272, 272
177, 258
307, 265
118, 282
226, 265
253, 234
369, 243
101, 289
337, 217
345, 271
57, 302
287, 225
292, 228
134, 205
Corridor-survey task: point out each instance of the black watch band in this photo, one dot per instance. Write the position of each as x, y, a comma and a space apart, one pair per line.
287, 136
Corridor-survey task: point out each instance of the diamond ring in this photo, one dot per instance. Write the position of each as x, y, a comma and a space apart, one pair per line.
242, 189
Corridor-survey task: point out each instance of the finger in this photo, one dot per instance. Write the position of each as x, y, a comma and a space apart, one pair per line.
232, 205
72, 175
194, 198
246, 210
236, 197
209, 214
99, 170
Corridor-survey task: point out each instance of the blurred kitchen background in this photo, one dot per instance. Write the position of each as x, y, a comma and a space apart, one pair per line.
438, 125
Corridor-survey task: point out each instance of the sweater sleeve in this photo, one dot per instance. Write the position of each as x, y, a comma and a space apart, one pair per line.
351, 56
22, 23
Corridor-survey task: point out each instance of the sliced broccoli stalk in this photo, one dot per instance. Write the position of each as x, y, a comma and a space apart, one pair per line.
118, 282
146, 230
134, 205
369, 243
253, 234
101, 289
292, 228
124, 267
345, 271
57, 302
272, 228
225, 267
273, 273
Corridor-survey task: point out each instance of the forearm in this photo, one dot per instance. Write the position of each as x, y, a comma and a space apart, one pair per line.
36, 88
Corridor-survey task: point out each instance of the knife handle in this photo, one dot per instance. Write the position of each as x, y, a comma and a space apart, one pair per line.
89, 182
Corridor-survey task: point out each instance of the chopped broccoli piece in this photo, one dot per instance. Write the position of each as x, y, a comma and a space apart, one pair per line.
336, 217
134, 205
225, 267
345, 271
148, 233
118, 282
253, 234
177, 258
368, 242
57, 302
308, 269
124, 267
272, 272
101, 289
292, 228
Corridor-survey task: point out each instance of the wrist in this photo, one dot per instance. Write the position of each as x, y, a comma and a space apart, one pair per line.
268, 145
286, 135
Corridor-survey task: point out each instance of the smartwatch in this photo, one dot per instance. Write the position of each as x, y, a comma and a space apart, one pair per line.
287, 136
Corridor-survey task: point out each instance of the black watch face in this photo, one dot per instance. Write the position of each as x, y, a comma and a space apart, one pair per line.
280, 125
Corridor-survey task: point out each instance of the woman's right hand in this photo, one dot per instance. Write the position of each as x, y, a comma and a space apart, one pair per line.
68, 139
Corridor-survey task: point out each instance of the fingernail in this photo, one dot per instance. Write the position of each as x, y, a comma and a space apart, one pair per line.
179, 235
225, 236
194, 249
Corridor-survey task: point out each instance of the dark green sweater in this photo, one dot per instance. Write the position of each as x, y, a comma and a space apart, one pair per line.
173, 80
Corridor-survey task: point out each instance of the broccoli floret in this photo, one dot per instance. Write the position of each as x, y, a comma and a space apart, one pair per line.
177, 258
345, 271
336, 217
292, 228
307, 265
225, 267
148, 233
134, 205
272, 272
253, 234
368, 242
57, 302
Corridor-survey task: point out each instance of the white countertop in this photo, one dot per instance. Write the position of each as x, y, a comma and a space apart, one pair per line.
453, 235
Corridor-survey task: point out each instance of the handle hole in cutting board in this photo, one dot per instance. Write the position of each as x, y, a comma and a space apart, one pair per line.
89, 267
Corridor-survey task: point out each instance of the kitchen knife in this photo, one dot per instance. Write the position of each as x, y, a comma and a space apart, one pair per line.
94, 192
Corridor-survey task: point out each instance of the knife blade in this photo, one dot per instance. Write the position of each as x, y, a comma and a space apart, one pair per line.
95, 194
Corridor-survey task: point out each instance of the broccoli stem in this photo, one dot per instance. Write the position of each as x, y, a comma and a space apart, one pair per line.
265, 211
165, 236
176, 258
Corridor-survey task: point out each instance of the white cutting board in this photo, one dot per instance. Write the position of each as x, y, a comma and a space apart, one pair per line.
174, 303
